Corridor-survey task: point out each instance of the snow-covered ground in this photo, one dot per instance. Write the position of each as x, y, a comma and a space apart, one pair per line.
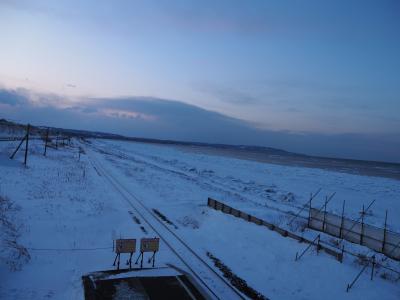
65, 204
254, 184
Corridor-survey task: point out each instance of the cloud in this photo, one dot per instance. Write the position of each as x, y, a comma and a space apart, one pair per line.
229, 95
88, 110
13, 97
168, 119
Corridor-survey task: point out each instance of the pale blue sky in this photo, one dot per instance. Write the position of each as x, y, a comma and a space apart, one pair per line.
305, 67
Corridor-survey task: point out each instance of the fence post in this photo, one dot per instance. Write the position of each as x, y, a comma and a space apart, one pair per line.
19, 146
341, 222
342, 254
350, 285
312, 243
357, 221
372, 267
384, 233
323, 223
362, 226
27, 143
303, 207
45, 143
309, 212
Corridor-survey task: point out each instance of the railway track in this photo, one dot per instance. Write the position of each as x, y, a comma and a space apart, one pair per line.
210, 280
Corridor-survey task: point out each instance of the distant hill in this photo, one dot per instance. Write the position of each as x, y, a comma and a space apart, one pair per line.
19, 129
249, 152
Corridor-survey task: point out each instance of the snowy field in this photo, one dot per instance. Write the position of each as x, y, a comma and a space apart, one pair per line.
66, 215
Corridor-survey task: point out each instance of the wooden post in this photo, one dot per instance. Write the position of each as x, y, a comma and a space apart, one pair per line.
303, 207
309, 212
27, 143
373, 267
341, 222
16, 150
45, 143
342, 254
384, 233
323, 223
362, 226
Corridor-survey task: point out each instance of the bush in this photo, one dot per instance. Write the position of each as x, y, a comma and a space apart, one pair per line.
12, 254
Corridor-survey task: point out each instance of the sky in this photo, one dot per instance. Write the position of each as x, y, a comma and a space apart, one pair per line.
315, 77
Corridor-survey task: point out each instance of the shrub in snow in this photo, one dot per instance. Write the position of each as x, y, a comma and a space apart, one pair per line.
235, 280
299, 226
389, 276
190, 222
12, 254
289, 197
362, 259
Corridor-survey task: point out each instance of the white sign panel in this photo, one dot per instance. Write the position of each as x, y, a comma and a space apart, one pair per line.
125, 245
149, 245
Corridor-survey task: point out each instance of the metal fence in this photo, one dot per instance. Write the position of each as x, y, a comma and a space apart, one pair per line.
375, 238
